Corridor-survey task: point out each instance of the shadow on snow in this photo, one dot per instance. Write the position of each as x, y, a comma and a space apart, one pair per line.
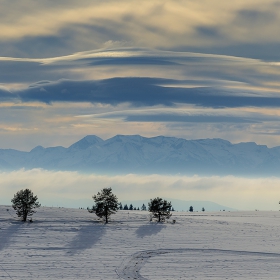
7, 234
87, 237
148, 230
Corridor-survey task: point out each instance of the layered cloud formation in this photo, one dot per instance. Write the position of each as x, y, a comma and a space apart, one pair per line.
54, 28
183, 68
138, 91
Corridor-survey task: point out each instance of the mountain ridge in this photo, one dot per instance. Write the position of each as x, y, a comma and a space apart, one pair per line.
156, 155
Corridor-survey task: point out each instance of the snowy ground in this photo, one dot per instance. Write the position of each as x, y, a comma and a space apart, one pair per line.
71, 244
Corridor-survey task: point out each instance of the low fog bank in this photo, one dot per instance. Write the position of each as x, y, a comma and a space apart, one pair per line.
74, 189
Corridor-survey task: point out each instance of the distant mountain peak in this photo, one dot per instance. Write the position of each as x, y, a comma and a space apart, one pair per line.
126, 138
37, 148
86, 142
214, 141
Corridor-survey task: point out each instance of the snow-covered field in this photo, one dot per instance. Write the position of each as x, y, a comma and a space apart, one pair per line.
72, 244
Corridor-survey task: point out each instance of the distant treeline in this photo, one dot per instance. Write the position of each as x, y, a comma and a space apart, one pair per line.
131, 207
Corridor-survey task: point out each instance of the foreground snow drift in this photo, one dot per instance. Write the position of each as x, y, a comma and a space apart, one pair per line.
72, 244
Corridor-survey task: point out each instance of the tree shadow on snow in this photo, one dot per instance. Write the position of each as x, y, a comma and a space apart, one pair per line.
86, 238
148, 230
7, 234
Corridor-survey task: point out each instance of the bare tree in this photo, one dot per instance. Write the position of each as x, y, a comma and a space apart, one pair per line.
106, 204
24, 202
160, 208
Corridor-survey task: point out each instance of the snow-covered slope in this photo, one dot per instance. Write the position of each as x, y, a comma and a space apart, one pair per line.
163, 155
72, 244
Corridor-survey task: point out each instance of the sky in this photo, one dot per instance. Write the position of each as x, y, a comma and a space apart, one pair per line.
183, 68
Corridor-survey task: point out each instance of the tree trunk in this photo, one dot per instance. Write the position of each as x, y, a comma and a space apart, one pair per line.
158, 218
24, 217
106, 214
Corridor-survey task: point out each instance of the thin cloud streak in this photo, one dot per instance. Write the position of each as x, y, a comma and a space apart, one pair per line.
186, 114
143, 92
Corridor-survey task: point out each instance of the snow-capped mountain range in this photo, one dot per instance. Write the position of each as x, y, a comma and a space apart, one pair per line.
162, 155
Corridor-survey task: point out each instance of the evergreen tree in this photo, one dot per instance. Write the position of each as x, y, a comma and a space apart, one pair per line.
143, 208
138, 209
172, 209
130, 207
160, 208
191, 209
203, 209
24, 202
106, 204
125, 207
120, 206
